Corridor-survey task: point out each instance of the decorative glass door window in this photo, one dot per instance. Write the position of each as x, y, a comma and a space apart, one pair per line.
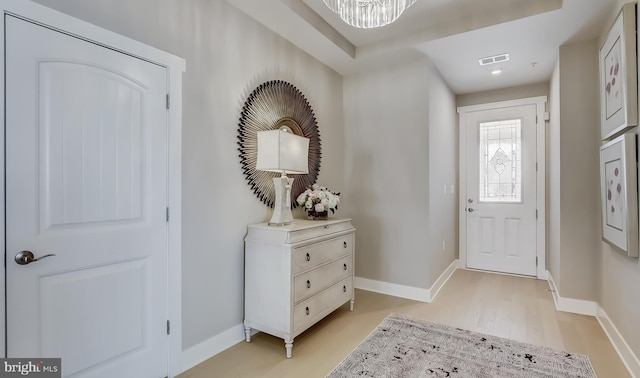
500, 161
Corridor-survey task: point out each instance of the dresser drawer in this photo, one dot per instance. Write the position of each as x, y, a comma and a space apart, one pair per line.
310, 256
309, 283
314, 229
317, 307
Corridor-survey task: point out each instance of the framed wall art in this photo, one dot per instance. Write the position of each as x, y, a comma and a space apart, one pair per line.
618, 176
274, 105
618, 75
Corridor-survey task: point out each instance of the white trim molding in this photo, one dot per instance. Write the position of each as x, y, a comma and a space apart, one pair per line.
540, 103
226, 339
408, 292
576, 306
583, 307
175, 67
388, 288
629, 359
210, 347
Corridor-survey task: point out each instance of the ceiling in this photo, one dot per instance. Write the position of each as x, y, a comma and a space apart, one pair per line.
454, 34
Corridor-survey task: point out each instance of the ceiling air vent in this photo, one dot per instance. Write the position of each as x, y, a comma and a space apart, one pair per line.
493, 59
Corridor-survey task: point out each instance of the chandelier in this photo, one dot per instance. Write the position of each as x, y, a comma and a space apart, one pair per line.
368, 14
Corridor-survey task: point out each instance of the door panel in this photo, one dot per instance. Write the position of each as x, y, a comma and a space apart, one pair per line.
91, 145
115, 318
501, 190
86, 178
487, 235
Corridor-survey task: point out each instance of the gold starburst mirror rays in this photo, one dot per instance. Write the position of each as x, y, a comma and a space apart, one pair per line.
273, 105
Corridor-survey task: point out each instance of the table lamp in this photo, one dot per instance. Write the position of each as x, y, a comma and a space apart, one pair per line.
283, 152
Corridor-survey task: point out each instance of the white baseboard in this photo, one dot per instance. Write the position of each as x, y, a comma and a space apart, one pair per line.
627, 356
226, 339
211, 346
403, 291
576, 306
444, 277
544, 275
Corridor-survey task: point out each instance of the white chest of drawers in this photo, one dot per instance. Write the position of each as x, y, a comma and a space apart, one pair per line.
296, 275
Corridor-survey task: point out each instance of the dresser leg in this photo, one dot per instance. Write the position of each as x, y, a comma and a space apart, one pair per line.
247, 334
289, 346
351, 304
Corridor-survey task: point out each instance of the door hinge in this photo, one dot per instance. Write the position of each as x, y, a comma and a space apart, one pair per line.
167, 214
168, 327
536, 166
536, 213
536, 260
168, 101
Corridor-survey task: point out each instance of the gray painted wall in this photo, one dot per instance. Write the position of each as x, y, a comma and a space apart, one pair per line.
619, 296
443, 172
584, 266
390, 155
579, 224
400, 135
228, 55
553, 179
574, 179
620, 277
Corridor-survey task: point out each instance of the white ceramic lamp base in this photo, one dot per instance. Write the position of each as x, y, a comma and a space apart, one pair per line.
282, 210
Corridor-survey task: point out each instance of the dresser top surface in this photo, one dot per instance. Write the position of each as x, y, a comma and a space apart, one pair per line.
300, 224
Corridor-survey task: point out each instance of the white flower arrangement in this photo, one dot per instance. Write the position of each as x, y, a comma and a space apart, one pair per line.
318, 199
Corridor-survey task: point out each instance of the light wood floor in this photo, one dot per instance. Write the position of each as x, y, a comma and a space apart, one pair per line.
513, 307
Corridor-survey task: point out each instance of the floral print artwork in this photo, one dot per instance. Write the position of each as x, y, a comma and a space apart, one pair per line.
613, 81
615, 194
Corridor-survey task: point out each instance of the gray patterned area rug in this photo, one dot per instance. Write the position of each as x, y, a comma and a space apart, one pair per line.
402, 346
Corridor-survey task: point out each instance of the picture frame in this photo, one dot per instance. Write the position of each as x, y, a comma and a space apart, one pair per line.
273, 105
618, 177
618, 75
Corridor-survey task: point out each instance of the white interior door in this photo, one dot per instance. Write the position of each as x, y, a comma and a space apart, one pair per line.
501, 189
86, 179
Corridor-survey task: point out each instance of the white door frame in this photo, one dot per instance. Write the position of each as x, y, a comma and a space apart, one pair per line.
539, 102
175, 67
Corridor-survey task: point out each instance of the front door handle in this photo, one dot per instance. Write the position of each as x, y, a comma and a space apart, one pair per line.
27, 257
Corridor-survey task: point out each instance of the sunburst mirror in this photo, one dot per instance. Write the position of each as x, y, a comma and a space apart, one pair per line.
273, 105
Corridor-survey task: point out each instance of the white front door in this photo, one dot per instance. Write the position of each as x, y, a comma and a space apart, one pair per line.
86, 180
501, 189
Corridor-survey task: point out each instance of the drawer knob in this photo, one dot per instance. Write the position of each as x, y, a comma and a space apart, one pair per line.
308, 284
307, 311
344, 288
345, 266
308, 257
344, 244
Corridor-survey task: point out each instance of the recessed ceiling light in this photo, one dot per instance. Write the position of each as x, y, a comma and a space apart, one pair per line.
496, 72
493, 59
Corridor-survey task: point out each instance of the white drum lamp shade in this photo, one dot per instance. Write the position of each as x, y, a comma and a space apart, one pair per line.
286, 153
